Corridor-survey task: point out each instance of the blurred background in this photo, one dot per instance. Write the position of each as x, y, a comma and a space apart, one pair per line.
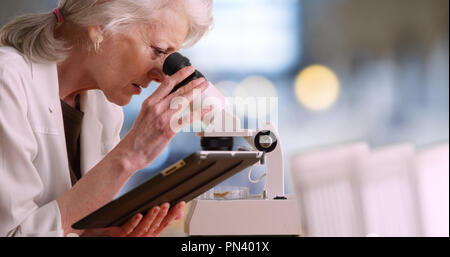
373, 71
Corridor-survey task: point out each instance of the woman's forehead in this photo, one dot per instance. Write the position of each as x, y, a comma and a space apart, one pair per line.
169, 28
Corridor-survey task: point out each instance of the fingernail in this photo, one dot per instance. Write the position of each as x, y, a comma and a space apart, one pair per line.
204, 84
156, 210
201, 81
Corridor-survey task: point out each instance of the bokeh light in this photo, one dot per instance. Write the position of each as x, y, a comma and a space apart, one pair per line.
252, 88
317, 87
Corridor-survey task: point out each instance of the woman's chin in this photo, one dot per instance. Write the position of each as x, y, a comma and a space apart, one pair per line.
120, 101
124, 102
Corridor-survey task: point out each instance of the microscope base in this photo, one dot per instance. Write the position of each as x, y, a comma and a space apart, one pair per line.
242, 217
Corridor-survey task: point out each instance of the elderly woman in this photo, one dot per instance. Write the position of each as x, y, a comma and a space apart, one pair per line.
63, 77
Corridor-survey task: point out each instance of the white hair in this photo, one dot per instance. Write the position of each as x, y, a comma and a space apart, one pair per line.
34, 34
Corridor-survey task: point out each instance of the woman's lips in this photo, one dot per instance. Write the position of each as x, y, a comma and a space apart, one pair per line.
137, 88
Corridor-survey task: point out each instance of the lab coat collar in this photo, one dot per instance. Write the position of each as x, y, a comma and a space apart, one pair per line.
91, 128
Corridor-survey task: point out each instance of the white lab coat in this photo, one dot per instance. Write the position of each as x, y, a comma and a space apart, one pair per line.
34, 168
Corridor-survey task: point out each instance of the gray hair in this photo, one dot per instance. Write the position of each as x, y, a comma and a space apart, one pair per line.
34, 34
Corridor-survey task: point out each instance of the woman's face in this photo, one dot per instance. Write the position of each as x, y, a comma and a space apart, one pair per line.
131, 60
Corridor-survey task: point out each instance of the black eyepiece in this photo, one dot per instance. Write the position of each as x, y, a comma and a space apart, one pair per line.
176, 62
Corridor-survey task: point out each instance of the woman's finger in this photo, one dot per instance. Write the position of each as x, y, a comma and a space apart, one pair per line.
146, 222
154, 106
189, 118
168, 84
157, 222
131, 224
188, 89
175, 213
162, 106
180, 213
185, 93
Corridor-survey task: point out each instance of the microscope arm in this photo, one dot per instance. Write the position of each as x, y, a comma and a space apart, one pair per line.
274, 185
223, 123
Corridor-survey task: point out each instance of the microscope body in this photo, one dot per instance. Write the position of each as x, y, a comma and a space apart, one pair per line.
270, 213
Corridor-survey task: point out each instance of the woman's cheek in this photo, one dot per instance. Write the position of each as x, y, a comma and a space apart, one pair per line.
142, 62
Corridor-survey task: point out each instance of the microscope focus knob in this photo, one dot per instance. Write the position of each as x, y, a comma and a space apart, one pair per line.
265, 141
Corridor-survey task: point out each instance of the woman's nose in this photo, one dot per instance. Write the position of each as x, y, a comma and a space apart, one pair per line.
156, 75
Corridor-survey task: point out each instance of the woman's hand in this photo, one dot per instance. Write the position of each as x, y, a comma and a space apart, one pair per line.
152, 132
155, 221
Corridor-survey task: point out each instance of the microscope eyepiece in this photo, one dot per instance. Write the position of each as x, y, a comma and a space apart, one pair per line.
176, 62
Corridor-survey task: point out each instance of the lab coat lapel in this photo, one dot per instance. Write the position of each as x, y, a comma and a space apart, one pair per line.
47, 119
91, 134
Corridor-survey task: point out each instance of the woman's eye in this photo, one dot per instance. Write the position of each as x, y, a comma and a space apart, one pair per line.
159, 52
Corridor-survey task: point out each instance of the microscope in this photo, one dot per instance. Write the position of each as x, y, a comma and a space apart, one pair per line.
270, 213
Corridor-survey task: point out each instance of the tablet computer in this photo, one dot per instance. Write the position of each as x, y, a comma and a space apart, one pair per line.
183, 181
